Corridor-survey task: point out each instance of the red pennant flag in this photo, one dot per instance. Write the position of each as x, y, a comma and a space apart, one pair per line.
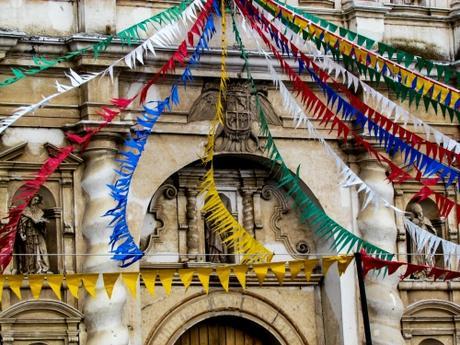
411, 269
436, 272
451, 275
423, 194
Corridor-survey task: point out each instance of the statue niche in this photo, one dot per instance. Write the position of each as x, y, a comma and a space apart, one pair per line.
239, 133
30, 244
415, 213
217, 251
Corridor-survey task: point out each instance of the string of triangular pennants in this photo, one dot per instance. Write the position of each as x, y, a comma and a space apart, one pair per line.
370, 263
427, 166
402, 80
443, 71
341, 238
297, 269
167, 35
127, 36
424, 240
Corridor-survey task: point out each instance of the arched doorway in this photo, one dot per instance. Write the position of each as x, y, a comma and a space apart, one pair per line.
227, 330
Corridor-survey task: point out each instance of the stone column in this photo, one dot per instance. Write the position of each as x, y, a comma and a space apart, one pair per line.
193, 235
248, 209
103, 316
377, 226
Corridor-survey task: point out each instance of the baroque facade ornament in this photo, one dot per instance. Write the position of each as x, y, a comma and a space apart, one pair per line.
240, 130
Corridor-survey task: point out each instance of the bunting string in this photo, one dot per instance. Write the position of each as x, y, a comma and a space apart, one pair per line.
397, 77
296, 270
371, 263
443, 71
425, 241
31, 187
219, 219
123, 245
164, 36
127, 36
325, 227
450, 149
315, 105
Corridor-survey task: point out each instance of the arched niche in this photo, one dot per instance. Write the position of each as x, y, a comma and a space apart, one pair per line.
52, 237
52, 322
431, 222
427, 321
249, 185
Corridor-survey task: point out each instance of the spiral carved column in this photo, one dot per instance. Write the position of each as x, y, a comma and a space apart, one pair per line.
377, 226
248, 210
103, 316
193, 236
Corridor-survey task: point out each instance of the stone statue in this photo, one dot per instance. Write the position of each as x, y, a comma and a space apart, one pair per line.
416, 216
30, 240
216, 249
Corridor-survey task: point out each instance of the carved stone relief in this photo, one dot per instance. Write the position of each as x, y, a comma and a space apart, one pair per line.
240, 130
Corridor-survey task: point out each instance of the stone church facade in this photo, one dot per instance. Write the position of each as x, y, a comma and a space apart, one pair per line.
164, 210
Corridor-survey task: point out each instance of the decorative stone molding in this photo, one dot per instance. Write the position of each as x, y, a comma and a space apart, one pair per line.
431, 319
50, 320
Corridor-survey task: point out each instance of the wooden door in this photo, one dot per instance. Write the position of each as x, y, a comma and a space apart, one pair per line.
226, 331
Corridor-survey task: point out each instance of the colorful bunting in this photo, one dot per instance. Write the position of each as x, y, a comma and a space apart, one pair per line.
127, 36
167, 275
325, 227
122, 243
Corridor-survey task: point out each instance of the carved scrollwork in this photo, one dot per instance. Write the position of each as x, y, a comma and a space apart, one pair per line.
169, 192
272, 192
302, 247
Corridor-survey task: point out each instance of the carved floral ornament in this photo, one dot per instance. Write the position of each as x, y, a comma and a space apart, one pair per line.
240, 131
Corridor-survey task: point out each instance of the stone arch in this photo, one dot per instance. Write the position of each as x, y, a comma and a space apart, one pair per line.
200, 307
17, 320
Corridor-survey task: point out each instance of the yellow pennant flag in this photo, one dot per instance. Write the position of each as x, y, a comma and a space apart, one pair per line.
109, 282
130, 281
203, 276
309, 265
261, 272
186, 276
343, 263
89, 282
149, 281
295, 267
224, 276
55, 282
279, 269
35, 285
328, 261
15, 282
73, 283
166, 278
240, 274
